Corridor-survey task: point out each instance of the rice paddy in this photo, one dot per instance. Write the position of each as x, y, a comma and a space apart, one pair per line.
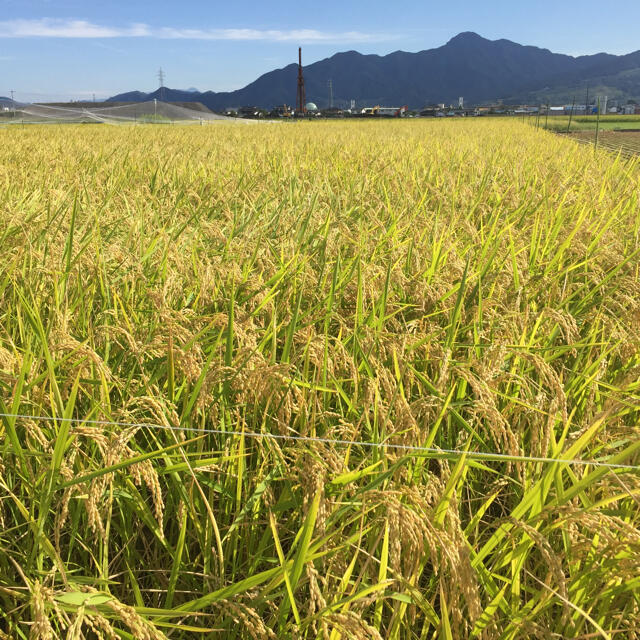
405, 299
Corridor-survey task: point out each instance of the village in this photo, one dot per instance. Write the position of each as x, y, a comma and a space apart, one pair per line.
440, 110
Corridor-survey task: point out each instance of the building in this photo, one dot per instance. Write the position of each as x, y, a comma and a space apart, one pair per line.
249, 112
387, 112
526, 110
393, 112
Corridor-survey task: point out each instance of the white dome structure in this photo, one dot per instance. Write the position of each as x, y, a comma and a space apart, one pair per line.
310, 106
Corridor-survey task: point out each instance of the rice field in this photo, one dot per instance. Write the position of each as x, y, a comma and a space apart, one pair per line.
339, 380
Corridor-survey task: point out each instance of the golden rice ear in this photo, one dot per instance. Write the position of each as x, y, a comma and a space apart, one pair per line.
352, 625
40, 602
137, 625
100, 626
248, 619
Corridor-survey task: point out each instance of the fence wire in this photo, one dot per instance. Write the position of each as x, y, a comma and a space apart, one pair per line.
409, 449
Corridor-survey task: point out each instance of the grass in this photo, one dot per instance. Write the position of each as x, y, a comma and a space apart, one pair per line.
457, 285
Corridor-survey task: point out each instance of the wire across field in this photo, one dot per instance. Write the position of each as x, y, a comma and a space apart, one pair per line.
326, 380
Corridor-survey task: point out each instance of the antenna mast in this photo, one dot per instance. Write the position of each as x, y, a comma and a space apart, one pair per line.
300, 98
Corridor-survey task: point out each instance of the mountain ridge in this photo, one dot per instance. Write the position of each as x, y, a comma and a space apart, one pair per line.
467, 65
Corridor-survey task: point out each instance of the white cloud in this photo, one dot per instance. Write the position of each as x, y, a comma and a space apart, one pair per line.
56, 28
294, 35
52, 28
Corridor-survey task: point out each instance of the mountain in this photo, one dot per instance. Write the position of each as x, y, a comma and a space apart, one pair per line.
131, 96
8, 103
468, 65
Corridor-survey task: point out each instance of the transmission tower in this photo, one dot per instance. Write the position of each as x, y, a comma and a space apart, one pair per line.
330, 85
161, 81
300, 98
13, 103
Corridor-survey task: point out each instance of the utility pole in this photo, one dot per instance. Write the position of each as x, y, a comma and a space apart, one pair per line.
13, 103
330, 85
595, 148
546, 121
161, 80
586, 104
573, 106
301, 100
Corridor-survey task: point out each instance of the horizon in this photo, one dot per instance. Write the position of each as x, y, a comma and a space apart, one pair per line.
122, 46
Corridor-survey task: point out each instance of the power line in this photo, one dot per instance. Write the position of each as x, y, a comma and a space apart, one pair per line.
444, 453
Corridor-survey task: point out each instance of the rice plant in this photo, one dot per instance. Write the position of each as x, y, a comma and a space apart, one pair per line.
405, 299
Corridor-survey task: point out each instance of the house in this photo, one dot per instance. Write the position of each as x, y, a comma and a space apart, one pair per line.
249, 112
430, 111
393, 112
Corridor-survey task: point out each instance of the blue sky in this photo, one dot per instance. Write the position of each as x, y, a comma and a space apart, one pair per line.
71, 49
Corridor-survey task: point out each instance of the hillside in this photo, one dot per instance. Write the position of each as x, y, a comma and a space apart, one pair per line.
468, 65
